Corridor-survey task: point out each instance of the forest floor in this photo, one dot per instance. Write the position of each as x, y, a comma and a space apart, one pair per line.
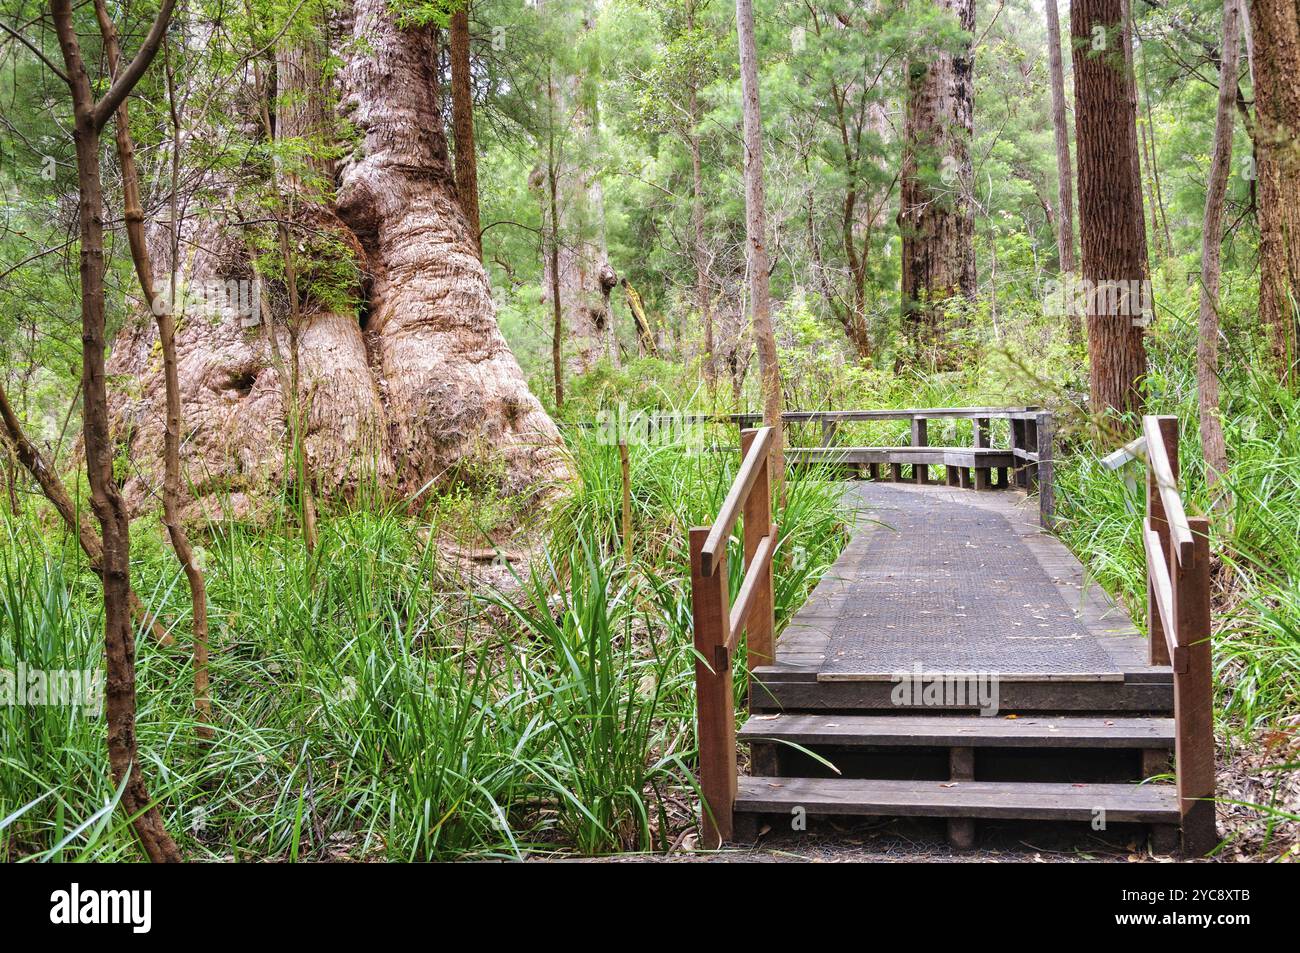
918, 841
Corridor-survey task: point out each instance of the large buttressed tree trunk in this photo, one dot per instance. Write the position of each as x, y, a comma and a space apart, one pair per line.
1275, 27
1112, 239
411, 385
454, 394
935, 218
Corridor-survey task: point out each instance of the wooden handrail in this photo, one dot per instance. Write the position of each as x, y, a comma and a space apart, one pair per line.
1178, 619
749, 587
1162, 586
718, 630
1158, 460
751, 466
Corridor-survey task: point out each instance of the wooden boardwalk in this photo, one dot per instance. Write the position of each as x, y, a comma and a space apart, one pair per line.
990, 608
967, 593
956, 663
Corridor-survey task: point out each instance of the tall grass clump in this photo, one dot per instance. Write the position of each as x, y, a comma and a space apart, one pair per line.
1254, 514
591, 654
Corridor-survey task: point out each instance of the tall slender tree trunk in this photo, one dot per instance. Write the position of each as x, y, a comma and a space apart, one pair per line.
1060, 126
756, 241
581, 254
89, 117
937, 225
133, 214
703, 302
1276, 28
551, 250
1110, 213
1135, 159
1207, 344
462, 121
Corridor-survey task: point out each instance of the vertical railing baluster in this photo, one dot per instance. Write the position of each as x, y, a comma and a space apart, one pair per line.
1194, 695
715, 718
920, 438
1046, 472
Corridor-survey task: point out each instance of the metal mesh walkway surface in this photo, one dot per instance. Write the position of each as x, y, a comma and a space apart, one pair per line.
948, 587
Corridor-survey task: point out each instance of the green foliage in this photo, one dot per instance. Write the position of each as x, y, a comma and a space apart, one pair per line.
368, 704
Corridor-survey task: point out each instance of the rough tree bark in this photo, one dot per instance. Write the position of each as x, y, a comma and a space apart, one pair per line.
1130, 78
936, 222
416, 387
1111, 229
89, 118
455, 396
756, 242
462, 121
1207, 343
1060, 126
1275, 26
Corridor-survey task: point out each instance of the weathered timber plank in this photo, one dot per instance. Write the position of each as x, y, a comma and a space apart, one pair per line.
1152, 734
1012, 696
1123, 803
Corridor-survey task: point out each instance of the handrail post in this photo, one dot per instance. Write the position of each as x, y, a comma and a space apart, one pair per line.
1046, 471
1194, 695
1018, 443
715, 725
1157, 650
920, 438
761, 627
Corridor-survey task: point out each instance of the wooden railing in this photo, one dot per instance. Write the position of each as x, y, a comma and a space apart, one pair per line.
1028, 460
1178, 616
718, 629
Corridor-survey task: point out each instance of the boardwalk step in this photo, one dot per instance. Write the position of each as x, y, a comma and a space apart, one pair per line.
1148, 803
961, 731
1154, 694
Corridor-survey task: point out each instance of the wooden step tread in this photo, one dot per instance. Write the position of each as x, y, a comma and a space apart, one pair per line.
1146, 803
962, 731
